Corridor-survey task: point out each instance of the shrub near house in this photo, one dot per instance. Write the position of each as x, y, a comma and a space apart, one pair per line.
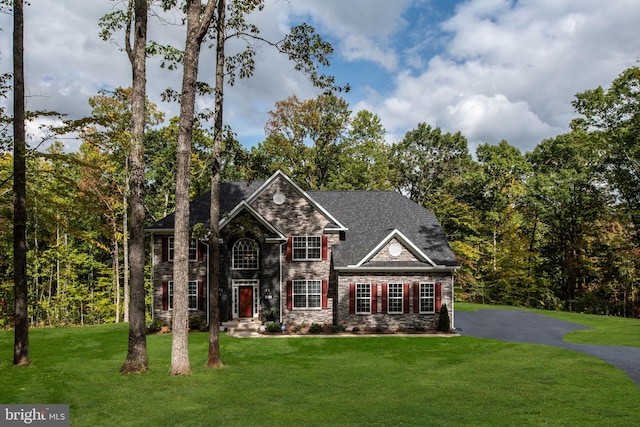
364, 259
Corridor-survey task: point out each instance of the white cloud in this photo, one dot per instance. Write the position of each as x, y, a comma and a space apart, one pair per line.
511, 69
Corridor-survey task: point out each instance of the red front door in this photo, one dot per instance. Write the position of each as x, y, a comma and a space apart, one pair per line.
246, 301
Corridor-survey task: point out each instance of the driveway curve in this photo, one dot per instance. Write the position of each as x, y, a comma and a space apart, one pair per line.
531, 328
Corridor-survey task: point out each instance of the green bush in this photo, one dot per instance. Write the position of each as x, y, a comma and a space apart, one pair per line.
444, 322
196, 324
315, 328
156, 326
273, 327
337, 328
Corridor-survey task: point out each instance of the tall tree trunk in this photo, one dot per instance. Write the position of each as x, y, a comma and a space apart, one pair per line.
198, 22
180, 322
214, 234
125, 238
21, 336
137, 360
116, 274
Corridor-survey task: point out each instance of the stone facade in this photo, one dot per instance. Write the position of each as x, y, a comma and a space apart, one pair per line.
410, 320
163, 274
297, 217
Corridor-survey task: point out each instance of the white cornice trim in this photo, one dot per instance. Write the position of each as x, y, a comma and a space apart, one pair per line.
434, 269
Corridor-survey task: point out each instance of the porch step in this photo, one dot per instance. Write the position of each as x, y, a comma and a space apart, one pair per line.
240, 327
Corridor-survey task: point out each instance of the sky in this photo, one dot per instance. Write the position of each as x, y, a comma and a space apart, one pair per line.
492, 69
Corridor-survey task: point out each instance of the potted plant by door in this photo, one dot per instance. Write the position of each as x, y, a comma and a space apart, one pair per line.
270, 315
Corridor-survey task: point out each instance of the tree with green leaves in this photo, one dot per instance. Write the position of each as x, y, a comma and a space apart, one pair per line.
504, 269
614, 115
364, 156
570, 200
305, 139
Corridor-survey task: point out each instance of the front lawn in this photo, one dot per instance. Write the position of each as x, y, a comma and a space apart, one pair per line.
309, 381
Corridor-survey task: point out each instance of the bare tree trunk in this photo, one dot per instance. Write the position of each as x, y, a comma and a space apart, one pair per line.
125, 241
198, 22
214, 234
116, 276
137, 360
21, 336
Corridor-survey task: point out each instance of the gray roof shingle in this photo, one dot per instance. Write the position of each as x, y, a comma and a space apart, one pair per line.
231, 193
372, 215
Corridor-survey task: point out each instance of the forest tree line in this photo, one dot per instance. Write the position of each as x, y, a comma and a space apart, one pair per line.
553, 228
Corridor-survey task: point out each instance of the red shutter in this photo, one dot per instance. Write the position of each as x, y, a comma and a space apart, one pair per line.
165, 249
200, 295
405, 296
289, 248
325, 294
416, 297
200, 249
289, 295
325, 248
165, 296
352, 298
374, 298
385, 294
438, 291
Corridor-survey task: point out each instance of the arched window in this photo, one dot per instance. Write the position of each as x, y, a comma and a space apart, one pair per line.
245, 255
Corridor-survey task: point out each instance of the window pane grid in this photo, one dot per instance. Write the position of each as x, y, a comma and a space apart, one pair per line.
307, 248
395, 297
363, 298
427, 297
307, 294
245, 255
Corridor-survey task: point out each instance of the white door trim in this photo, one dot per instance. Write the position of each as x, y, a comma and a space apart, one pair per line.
236, 284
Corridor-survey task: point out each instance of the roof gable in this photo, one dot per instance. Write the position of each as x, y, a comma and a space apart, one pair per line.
395, 243
244, 206
279, 198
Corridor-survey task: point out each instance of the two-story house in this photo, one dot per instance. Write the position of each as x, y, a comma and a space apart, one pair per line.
366, 259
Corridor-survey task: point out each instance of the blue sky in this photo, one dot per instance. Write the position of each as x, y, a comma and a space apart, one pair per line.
491, 69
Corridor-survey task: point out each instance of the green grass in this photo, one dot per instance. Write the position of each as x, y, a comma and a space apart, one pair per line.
316, 381
607, 330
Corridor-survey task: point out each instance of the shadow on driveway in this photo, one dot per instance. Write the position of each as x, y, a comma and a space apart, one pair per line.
530, 328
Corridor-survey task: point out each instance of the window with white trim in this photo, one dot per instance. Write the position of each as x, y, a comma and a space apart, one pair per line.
245, 255
427, 298
192, 295
363, 298
307, 294
307, 248
395, 298
193, 249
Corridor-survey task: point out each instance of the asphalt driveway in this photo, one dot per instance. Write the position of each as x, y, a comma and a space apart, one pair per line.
530, 328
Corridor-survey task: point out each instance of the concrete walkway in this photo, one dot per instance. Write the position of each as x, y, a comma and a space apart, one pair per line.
530, 328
